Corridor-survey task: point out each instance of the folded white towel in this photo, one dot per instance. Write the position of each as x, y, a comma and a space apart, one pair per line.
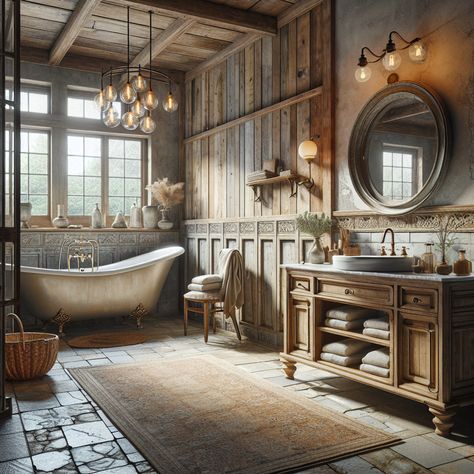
205, 279
346, 347
345, 325
341, 360
350, 313
379, 357
380, 333
207, 287
373, 369
378, 323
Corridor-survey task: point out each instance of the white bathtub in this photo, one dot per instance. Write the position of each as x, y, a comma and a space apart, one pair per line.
132, 286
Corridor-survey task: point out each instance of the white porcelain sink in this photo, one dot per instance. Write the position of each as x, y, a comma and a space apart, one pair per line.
373, 263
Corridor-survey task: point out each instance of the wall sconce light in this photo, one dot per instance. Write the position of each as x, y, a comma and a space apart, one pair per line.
308, 150
390, 57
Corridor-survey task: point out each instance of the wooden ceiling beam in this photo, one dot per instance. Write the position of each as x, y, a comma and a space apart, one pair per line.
71, 30
299, 8
223, 15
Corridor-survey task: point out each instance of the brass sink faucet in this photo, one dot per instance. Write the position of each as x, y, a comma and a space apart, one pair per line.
392, 243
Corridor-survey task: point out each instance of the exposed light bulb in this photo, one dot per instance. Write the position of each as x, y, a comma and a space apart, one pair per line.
417, 52
170, 104
101, 101
128, 94
362, 74
308, 150
149, 100
111, 118
147, 124
139, 83
110, 93
137, 108
129, 121
391, 61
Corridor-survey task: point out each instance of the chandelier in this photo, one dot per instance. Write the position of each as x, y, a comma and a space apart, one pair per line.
137, 95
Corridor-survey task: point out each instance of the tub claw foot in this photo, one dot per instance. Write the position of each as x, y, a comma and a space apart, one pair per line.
138, 314
61, 318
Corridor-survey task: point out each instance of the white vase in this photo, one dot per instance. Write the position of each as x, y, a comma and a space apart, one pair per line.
61, 221
150, 217
96, 217
119, 222
135, 216
316, 252
25, 214
165, 223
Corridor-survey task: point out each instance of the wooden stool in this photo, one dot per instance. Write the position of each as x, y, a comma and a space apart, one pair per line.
207, 300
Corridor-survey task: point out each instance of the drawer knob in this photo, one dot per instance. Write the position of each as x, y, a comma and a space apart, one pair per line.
348, 291
417, 300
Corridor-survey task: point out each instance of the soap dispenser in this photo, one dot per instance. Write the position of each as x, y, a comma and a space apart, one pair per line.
462, 266
428, 259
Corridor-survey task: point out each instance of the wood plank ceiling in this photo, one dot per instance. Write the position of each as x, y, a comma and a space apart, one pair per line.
187, 34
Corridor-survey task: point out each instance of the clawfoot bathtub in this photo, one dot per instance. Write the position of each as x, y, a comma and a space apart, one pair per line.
130, 287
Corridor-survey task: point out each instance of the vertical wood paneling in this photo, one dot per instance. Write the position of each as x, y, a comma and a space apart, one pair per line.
249, 310
267, 282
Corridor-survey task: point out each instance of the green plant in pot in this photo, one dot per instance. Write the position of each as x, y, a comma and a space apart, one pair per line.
446, 240
315, 226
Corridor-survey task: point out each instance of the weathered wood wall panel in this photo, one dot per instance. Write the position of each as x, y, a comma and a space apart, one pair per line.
220, 153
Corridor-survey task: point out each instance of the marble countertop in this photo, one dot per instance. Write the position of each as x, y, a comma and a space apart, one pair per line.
326, 268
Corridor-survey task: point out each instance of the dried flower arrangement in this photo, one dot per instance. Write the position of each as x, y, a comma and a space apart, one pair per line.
166, 193
447, 225
313, 225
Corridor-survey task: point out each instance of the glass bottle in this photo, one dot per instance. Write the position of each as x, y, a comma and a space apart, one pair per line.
428, 259
462, 266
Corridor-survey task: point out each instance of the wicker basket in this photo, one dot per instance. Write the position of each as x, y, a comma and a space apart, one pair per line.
29, 354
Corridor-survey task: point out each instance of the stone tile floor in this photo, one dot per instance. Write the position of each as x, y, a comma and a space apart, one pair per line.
56, 428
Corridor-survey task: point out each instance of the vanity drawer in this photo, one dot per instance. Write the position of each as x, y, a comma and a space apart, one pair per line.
419, 299
356, 292
301, 283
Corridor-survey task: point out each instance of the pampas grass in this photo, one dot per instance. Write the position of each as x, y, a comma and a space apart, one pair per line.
166, 193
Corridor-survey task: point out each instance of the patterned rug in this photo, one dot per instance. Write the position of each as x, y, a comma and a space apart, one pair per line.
107, 339
202, 414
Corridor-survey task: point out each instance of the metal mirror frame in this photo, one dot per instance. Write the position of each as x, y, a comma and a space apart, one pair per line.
358, 168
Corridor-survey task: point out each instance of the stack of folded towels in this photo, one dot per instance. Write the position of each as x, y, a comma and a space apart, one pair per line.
345, 352
377, 362
348, 317
206, 283
377, 327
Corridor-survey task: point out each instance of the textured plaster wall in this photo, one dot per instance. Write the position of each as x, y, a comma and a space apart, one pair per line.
449, 69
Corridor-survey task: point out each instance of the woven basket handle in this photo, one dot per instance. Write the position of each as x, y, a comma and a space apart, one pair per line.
20, 325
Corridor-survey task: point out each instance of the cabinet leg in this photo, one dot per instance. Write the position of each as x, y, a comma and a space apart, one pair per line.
289, 368
443, 420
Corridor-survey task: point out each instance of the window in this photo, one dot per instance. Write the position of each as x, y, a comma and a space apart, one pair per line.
399, 166
84, 166
32, 98
124, 167
97, 163
34, 170
81, 107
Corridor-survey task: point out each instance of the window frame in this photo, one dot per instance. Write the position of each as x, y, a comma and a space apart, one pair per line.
85, 220
31, 87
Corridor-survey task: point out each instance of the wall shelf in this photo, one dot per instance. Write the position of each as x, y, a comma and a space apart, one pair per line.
257, 185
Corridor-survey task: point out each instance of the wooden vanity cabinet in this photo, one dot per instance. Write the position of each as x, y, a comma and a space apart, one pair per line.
431, 341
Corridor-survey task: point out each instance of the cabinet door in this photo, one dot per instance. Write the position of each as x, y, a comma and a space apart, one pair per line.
300, 326
418, 368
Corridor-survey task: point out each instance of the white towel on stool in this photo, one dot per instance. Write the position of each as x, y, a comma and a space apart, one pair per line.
341, 360
373, 369
379, 358
350, 313
379, 333
206, 279
206, 287
378, 323
346, 347
345, 325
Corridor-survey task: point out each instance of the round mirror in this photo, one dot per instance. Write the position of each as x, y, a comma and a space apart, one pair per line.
398, 148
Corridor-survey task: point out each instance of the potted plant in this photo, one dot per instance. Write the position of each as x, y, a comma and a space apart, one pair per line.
445, 242
315, 226
167, 195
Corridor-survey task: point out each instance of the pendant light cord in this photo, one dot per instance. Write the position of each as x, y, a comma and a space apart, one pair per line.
128, 44
150, 28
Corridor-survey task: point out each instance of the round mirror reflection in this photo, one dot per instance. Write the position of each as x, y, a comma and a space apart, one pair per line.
397, 153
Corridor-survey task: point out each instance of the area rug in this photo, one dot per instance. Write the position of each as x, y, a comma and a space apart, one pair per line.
201, 414
107, 339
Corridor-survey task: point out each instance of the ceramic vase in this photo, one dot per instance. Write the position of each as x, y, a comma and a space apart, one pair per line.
165, 223
150, 216
96, 217
135, 216
61, 221
25, 214
316, 252
443, 268
119, 222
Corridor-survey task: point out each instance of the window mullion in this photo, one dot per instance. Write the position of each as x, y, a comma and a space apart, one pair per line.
105, 178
